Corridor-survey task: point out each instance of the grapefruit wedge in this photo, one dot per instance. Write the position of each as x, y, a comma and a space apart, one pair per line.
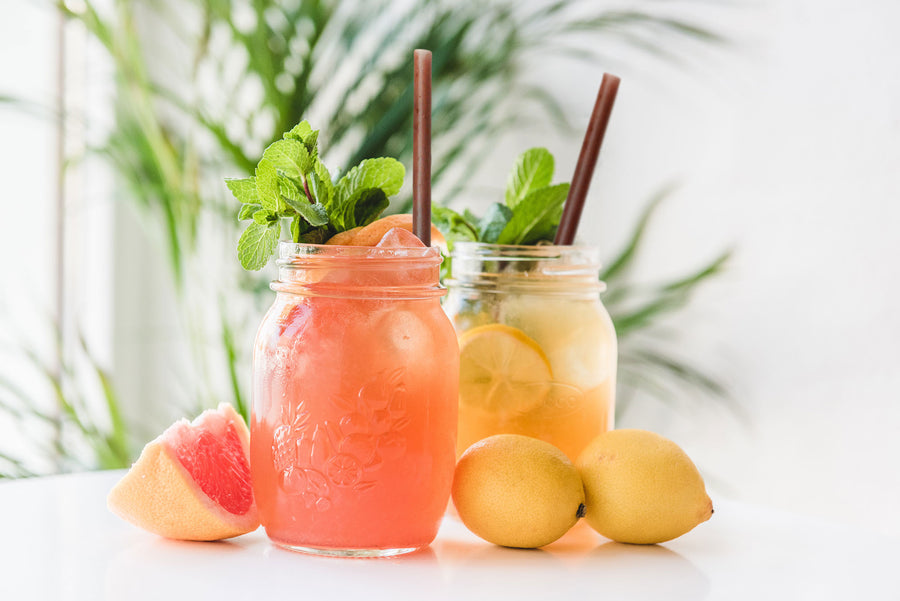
193, 481
369, 235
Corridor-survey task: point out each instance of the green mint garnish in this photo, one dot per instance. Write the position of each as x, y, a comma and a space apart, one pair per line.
536, 217
453, 225
362, 194
533, 170
493, 223
290, 182
243, 189
257, 244
531, 212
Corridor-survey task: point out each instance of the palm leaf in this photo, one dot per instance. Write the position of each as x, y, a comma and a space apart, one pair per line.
232, 359
108, 443
666, 298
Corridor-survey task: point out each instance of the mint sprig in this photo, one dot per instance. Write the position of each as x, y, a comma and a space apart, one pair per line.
536, 217
533, 170
291, 183
530, 213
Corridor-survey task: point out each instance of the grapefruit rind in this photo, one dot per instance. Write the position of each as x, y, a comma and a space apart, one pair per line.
372, 233
160, 496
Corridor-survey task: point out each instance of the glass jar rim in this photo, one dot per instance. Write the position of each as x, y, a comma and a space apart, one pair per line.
305, 269
297, 254
525, 252
542, 269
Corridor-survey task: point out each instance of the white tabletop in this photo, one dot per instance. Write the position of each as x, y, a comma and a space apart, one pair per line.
59, 542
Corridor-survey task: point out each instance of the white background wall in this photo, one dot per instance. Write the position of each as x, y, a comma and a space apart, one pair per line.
787, 146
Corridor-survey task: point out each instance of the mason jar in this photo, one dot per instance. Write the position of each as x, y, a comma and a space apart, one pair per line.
354, 401
537, 346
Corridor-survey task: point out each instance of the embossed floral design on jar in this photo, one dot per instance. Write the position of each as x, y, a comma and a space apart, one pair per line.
355, 383
312, 458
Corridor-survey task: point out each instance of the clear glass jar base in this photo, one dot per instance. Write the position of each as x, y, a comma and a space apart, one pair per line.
361, 553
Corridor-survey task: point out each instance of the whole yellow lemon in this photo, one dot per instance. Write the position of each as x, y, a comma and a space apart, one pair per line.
641, 487
517, 491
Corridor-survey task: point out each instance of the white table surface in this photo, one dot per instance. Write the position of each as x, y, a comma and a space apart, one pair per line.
59, 542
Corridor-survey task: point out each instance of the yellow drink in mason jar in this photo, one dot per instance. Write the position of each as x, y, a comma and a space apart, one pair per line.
537, 347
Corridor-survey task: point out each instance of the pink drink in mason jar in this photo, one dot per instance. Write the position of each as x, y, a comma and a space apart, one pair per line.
355, 383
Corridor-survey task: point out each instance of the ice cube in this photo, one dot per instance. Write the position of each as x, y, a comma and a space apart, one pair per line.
404, 332
398, 237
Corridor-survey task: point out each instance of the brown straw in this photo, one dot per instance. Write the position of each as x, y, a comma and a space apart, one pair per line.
587, 160
421, 210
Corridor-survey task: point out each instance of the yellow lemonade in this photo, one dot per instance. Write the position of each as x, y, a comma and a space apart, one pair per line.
537, 347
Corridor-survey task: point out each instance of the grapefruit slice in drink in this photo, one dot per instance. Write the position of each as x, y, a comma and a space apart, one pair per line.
193, 481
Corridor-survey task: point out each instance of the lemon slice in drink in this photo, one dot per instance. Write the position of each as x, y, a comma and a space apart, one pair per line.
502, 370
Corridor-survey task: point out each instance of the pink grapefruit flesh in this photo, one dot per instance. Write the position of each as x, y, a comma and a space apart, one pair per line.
193, 481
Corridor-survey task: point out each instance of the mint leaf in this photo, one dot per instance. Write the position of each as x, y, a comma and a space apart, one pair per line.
533, 170
264, 216
385, 175
247, 211
453, 225
314, 214
257, 244
469, 216
369, 207
320, 184
493, 222
536, 217
267, 189
243, 189
300, 131
289, 188
303, 132
289, 156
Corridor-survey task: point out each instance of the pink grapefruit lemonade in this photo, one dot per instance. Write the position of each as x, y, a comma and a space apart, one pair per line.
355, 384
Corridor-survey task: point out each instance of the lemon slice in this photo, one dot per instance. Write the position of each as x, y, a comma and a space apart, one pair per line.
502, 369
577, 337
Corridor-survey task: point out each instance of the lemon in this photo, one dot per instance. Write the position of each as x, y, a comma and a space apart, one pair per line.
577, 336
517, 491
641, 488
502, 369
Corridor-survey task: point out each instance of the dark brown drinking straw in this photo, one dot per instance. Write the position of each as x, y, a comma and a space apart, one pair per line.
422, 146
587, 160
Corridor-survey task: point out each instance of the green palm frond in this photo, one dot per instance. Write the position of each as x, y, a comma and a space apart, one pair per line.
83, 413
638, 311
